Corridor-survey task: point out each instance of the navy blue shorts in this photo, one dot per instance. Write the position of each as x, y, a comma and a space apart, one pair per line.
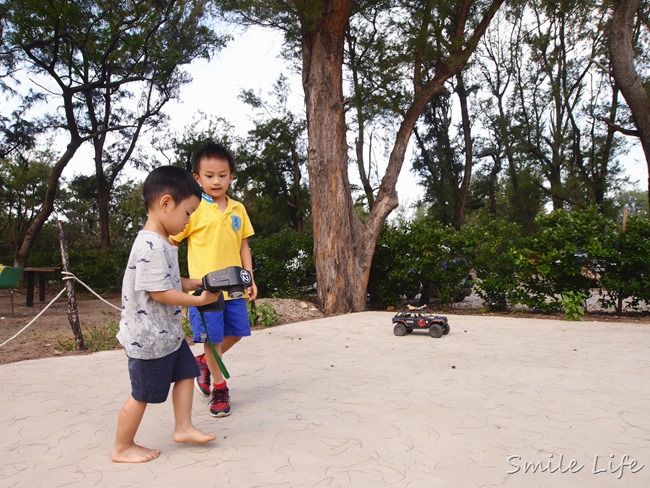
150, 378
233, 321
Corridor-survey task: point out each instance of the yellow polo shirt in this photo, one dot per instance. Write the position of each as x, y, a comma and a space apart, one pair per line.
214, 238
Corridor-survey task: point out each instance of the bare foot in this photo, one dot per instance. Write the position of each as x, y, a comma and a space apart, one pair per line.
192, 435
134, 454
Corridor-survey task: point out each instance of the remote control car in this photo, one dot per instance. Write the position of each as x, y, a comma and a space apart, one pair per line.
408, 320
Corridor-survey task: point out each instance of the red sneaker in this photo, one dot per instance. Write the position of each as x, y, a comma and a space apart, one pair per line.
202, 382
220, 403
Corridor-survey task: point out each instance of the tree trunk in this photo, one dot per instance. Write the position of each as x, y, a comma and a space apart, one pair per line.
103, 199
73, 310
622, 58
335, 243
469, 153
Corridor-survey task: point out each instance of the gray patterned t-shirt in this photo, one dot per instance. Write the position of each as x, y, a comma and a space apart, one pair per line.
148, 329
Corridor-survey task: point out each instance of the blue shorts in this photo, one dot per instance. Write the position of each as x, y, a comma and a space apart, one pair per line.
233, 321
150, 378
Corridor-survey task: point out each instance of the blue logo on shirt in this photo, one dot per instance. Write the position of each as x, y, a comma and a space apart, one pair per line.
236, 222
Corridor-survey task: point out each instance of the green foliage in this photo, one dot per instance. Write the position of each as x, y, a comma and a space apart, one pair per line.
23, 182
272, 163
283, 263
80, 212
552, 270
573, 303
101, 270
635, 201
96, 338
384, 286
624, 265
551, 262
491, 249
185, 324
263, 314
106, 69
421, 257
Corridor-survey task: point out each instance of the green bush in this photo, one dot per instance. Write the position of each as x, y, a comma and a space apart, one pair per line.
553, 261
491, 253
422, 256
385, 286
283, 263
624, 265
101, 270
96, 338
263, 314
574, 305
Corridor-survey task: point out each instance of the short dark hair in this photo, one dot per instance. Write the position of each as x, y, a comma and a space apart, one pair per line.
209, 150
169, 180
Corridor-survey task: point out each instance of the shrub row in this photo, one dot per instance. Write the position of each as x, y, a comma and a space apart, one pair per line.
570, 255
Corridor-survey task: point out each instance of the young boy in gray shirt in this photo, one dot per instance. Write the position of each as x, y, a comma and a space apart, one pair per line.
150, 327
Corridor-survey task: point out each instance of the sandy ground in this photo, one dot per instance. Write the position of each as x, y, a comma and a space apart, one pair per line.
342, 402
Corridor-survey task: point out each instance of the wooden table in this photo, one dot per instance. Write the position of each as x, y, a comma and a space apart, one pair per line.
30, 273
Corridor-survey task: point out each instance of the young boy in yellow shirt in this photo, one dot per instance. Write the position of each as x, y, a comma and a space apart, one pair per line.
217, 237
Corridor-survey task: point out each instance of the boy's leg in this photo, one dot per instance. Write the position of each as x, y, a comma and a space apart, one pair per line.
203, 381
214, 323
125, 450
228, 342
220, 398
184, 430
235, 326
217, 376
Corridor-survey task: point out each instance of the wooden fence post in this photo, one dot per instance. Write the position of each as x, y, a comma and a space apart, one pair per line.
73, 311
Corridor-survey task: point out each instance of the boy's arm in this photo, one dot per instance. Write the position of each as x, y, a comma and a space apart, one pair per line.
177, 297
247, 263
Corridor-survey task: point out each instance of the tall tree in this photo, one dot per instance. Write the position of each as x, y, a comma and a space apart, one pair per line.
437, 40
22, 188
271, 162
108, 66
630, 18
437, 160
561, 92
499, 54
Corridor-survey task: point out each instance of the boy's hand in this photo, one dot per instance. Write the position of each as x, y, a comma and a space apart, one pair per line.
206, 297
190, 284
252, 292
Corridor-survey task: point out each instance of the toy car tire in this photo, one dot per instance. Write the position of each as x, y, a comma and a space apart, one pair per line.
399, 329
435, 331
445, 329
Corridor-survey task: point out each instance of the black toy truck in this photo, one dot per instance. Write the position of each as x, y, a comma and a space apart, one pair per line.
408, 320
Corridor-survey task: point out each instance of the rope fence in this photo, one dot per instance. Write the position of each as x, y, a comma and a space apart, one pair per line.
67, 276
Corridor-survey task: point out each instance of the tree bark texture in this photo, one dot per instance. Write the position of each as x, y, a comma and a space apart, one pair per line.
334, 221
622, 58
